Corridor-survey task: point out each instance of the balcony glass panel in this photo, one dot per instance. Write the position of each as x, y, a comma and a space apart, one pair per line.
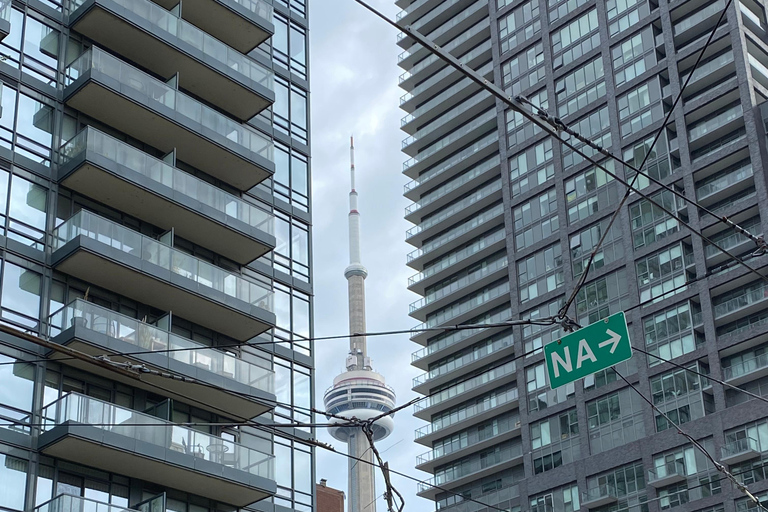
477, 354
745, 366
149, 429
699, 16
161, 21
666, 470
69, 503
126, 155
160, 341
598, 493
723, 182
155, 91
711, 124
447, 117
731, 239
751, 296
89, 225
461, 283
474, 301
467, 385
740, 446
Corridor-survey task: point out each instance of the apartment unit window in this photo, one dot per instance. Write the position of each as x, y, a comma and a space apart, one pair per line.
702, 480
531, 168
580, 87
18, 380
289, 45
678, 394
663, 274
623, 14
634, 56
659, 164
627, 483
605, 377
590, 191
31, 120
540, 273
650, 223
297, 6
741, 297
560, 8
33, 47
519, 129
575, 39
524, 70
565, 499
602, 297
536, 219
555, 441
615, 420
669, 333
752, 436
291, 254
595, 127
519, 26
536, 336
290, 110
583, 242
536, 380
640, 108
290, 180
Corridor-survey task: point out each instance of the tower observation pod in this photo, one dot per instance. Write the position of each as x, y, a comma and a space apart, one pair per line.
359, 392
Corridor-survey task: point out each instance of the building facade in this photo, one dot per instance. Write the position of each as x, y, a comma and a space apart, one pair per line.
505, 218
328, 498
154, 168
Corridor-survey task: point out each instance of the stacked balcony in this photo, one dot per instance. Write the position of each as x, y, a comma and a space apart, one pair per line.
599, 496
226, 383
114, 257
741, 305
165, 44
105, 88
740, 450
113, 172
670, 473
111, 438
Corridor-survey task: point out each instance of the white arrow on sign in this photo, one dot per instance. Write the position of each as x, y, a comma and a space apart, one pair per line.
613, 340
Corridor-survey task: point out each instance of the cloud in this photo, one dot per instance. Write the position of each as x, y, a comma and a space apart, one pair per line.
354, 78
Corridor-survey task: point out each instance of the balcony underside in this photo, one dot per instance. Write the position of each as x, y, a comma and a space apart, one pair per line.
129, 191
163, 131
428, 412
671, 478
742, 456
431, 492
227, 21
166, 54
430, 466
601, 501
167, 467
221, 396
129, 275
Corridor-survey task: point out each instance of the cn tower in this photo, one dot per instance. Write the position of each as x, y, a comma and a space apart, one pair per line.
359, 392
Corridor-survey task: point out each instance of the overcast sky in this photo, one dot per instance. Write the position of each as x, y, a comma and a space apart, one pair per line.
354, 76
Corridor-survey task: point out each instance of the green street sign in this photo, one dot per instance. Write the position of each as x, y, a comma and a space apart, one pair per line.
588, 350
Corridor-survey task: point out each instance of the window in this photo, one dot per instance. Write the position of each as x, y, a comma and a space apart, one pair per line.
701, 479
292, 386
536, 219
659, 164
13, 477
590, 191
290, 110
560, 8
595, 127
625, 483
615, 420
36, 53
524, 70
289, 45
663, 272
565, 499
23, 207
291, 178
292, 313
536, 336
634, 56
291, 254
580, 87
669, 333
467, 303
575, 39
640, 108
540, 273
21, 291
583, 243
623, 14
519, 26
531, 168
519, 129
650, 222
602, 297
18, 380
678, 394
555, 441
33, 123
536, 380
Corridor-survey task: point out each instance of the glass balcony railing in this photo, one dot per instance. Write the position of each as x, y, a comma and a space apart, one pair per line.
475, 465
480, 120
435, 80
465, 413
601, 492
69, 503
160, 21
463, 254
139, 426
118, 237
454, 209
704, 127
5, 11
461, 283
725, 181
467, 305
458, 231
454, 160
466, 386
154, 92
746, 366
125, 155
675, 468
454, 184
730, 138
476, 52
744, 328
476, 355
258, 7
709, 67
740, 447
731, 241
436, 101
459, 336
747, 298
700, 15
160, 341
447, 117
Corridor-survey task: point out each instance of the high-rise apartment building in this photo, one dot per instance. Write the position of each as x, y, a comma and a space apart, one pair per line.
154, 183
506, 217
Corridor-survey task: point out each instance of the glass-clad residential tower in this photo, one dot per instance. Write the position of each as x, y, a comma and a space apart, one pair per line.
155, 210
505, 218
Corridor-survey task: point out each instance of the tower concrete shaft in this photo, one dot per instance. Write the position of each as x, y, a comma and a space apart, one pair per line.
362, 482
